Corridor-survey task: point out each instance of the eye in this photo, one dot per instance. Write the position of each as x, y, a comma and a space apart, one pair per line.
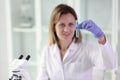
71, 24
61, 25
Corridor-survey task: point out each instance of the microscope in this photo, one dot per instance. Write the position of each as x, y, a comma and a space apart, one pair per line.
18, 71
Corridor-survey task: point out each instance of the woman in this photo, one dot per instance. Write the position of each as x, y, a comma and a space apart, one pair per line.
67, 57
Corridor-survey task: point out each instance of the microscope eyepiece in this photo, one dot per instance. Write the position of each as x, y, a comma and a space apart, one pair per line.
28, 57
20, 57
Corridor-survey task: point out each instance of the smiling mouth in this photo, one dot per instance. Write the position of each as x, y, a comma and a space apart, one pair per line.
66, 34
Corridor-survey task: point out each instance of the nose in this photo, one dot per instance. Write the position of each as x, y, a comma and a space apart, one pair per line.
66, 28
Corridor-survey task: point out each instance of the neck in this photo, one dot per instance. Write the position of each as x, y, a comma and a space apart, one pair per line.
64, 45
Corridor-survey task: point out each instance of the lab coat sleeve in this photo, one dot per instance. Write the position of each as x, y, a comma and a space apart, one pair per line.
103, 57
42, 75
96, 57
109, 57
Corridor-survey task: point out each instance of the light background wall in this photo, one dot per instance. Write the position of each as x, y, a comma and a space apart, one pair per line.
3, 44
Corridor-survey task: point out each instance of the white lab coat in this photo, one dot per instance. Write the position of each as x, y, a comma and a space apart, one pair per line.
77, 63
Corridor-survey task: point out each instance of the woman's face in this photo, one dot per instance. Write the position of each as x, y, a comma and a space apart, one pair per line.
65, 27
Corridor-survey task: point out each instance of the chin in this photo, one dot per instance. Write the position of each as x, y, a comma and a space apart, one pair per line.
67, 39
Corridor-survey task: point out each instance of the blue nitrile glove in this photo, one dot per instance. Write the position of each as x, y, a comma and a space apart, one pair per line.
92, 27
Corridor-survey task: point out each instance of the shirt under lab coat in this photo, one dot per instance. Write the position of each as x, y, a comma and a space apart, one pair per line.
77, 63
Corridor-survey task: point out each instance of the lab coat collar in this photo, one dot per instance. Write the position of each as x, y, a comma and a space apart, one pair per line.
71, 50
73, 46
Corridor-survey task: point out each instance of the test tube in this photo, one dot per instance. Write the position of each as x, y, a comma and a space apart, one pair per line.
77, 30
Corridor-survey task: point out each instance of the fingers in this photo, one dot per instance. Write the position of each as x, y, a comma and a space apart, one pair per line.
87, 24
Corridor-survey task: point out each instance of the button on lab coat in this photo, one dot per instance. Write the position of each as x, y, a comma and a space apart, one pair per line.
77, 63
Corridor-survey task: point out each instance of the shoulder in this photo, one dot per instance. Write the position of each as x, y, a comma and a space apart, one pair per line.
91, 49
48, 48
87, 44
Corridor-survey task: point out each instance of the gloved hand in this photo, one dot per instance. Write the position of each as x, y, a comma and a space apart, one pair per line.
18, 71
92, 27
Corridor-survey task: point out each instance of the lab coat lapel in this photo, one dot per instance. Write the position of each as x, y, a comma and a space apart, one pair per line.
56, 54
70, 52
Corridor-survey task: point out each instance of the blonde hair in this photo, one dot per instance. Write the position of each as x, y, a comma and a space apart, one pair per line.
55, 16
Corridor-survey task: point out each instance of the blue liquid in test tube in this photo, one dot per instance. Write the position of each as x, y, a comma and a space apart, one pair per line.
77, 30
